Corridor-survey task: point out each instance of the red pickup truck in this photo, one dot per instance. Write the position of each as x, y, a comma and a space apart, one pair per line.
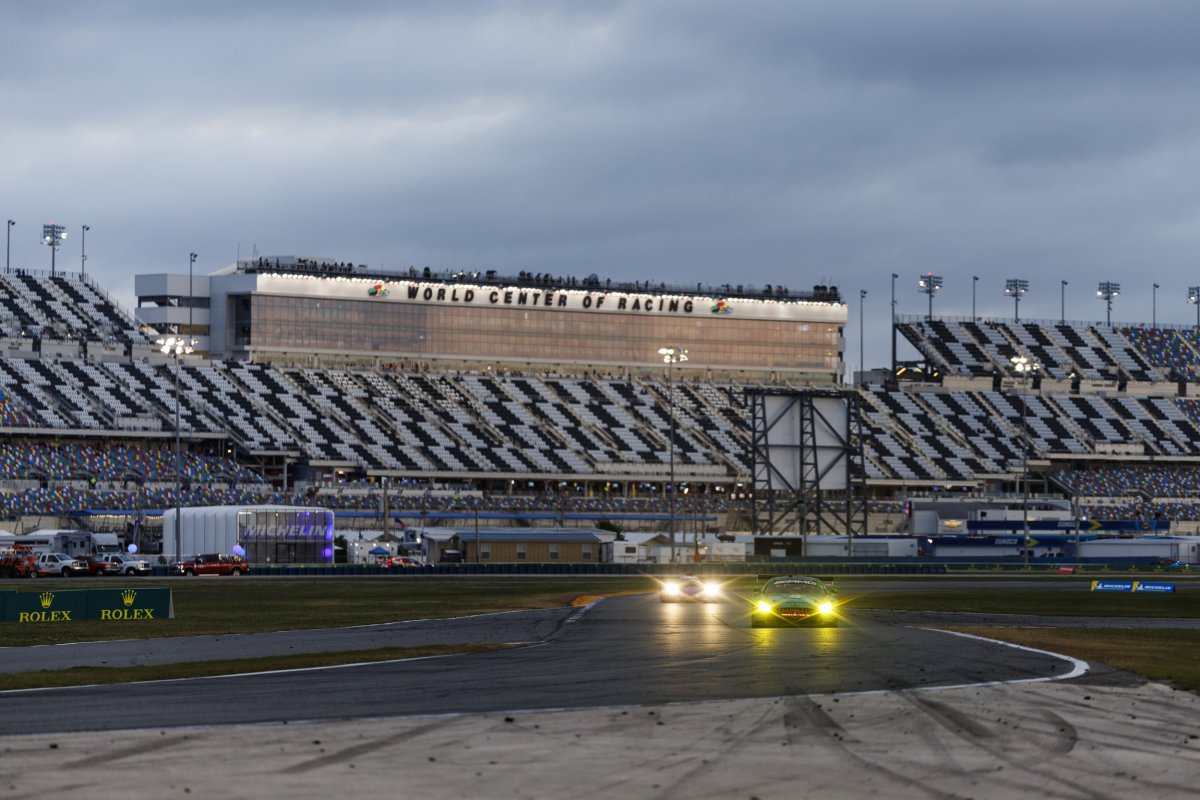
213, 564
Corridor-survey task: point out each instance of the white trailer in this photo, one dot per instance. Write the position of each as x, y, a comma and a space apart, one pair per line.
62, 540
622, 552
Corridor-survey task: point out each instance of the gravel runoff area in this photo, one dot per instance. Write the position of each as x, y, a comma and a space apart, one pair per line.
1106, 736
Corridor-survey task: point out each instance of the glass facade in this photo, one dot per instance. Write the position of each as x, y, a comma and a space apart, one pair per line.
286, 536
265, 323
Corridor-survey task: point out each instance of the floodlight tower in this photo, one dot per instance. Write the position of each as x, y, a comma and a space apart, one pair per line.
177, 346
894, 276
862, 296
1194, 299
1025, 368
671, 357
53, 236
929, 284
83, 249
1107, 291
1016, 288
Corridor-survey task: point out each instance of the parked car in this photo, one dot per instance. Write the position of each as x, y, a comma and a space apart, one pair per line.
60, 564
117, 564
449, 556
213, 564
407, 562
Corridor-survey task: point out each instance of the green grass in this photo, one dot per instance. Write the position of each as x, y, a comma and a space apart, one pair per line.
1160, 654
1077, 601
219, 605
88, 676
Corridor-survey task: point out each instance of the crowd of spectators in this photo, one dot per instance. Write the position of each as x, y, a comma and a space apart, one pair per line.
74, 477
1134, 480
62, 461
1175, 351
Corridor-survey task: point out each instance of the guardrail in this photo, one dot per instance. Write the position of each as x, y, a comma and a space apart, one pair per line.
778, 567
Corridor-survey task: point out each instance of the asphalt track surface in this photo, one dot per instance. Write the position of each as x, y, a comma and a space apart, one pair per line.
623, 650
622, 701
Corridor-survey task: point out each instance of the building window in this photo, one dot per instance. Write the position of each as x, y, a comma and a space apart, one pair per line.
554, 552
521, 551
587, 552
485, 551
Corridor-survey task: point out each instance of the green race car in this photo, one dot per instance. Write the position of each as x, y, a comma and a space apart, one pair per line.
794, 600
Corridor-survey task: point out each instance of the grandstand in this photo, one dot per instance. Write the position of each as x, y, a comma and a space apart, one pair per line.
534, 393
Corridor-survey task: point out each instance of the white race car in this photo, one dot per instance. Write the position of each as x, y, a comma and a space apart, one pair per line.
689, 588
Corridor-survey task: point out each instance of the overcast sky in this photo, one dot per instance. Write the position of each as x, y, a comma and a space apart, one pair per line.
788, 142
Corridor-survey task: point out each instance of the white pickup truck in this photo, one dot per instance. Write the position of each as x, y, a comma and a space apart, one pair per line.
60, 564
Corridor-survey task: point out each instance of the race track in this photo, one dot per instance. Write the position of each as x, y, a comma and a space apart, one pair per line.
622, 651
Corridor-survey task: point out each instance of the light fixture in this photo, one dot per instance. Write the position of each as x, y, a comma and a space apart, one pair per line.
929, 284
53, 236
1107, 291
1016, 288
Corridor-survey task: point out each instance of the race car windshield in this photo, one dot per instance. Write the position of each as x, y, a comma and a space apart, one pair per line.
797, 587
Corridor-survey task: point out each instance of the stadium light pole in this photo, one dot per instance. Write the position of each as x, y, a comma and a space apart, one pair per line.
862, 295
1154, 306
1016, 288
671, 357
1107, 291
929, 284
1062, 303
974, 283
176, 346
894, 276
53, 236
191, 297
1194, 299
1024, 367
8, 246
83, 249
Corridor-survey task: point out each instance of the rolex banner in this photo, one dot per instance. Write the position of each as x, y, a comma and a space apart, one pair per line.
53, 606
48, 607
129, 605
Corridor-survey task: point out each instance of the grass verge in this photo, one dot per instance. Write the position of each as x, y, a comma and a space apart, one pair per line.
1160, 654
219, 605
88, 676
1071, 602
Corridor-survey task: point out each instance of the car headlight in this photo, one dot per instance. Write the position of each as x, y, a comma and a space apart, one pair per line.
712, 588
671, 587
826, 607
764, 606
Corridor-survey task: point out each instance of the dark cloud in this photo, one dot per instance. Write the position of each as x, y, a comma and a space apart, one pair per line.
784, 143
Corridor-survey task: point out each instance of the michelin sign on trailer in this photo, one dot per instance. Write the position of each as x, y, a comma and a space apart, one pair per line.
264, 534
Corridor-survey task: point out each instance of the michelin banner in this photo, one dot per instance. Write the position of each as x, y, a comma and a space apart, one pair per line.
1133, 586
